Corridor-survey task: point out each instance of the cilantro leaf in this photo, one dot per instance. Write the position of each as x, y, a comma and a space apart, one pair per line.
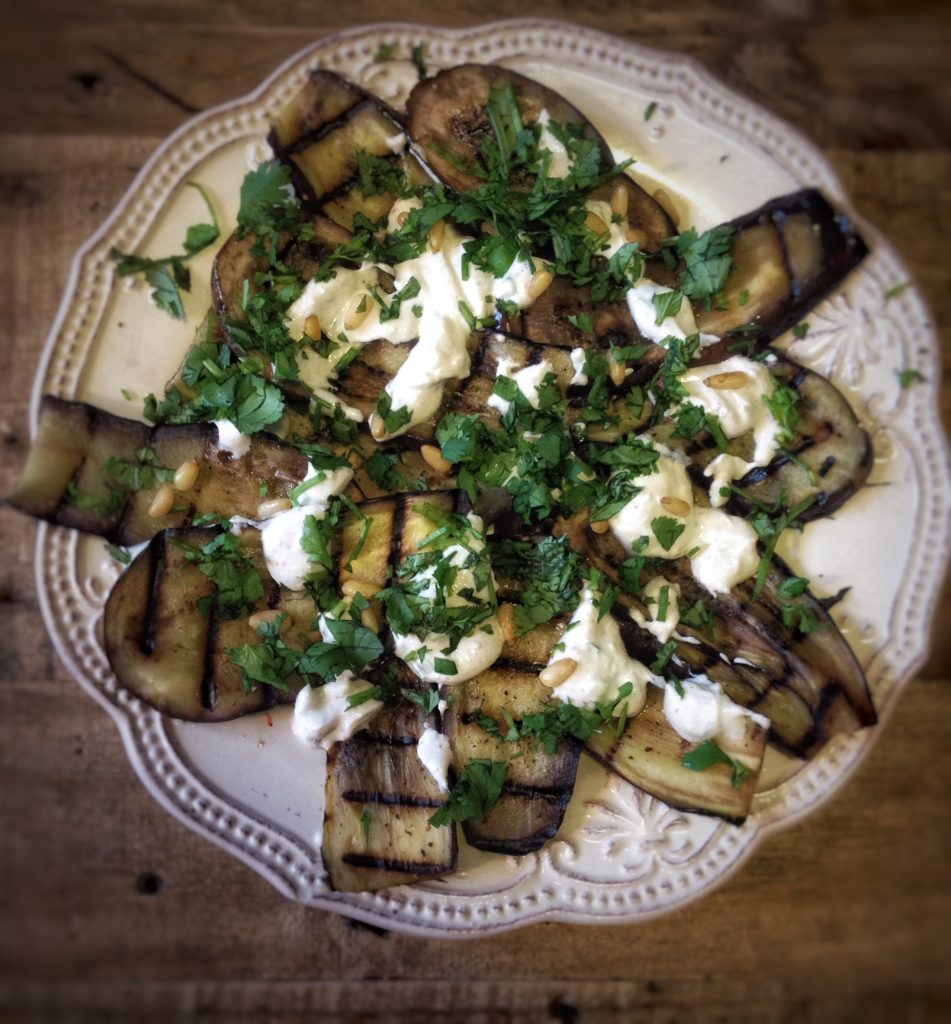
200, 236
476, 792
667, 529
707, 755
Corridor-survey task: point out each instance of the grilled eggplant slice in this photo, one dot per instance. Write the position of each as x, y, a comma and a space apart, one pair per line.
538, 785
173, 655
810, 686
170, 653
648, 753
69, 480
828, 458
447, 122
380, 798
319, 134
788, 255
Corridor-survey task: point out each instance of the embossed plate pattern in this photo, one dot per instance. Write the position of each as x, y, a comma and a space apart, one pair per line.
620, 855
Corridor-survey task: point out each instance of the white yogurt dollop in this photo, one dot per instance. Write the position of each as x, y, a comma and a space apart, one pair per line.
704, 712
603, 664
434, 752
726, 545
231, 440
322, 716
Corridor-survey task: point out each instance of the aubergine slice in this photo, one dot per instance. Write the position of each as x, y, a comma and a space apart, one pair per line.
380, 798
172, 655
447, 122
67, 479
788, 255
240, 259
648, 753
828, 458
538, 785
810, 686
319, 133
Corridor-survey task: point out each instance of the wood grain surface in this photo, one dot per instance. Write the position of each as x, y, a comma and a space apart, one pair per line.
111, 910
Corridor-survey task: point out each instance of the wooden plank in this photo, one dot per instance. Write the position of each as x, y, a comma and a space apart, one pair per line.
841, 917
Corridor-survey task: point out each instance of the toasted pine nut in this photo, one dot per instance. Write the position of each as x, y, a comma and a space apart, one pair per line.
619, 199
489, 228
507, 622
557, 672
616, 371
600, 526
636, 235
162, 502
186, 475
272, 506
540, 283
436, 235
729, 381
434, 458
355, 585
356, 315
402, 217
662, 198
377, 426
675, 506
369, 619
312, 327
594, 223
269, 615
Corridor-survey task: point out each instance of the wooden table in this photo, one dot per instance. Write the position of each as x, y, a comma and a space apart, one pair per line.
112, 910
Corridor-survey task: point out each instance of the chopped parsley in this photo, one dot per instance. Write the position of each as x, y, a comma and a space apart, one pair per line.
476, 792
908, 378
707, 755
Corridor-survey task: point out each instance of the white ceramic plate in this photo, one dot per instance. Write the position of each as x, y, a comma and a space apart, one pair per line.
620, 855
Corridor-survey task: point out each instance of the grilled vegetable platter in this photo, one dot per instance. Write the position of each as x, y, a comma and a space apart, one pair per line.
480, 459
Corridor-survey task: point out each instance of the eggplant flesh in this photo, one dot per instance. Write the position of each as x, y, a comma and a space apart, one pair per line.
788, 255
318, 136
379, 799
67, 481
447, 123
538, 785
649, 754
810, 686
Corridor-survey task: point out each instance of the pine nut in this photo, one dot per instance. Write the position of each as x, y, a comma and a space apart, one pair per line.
402, 217
600, 526
162, 502
436, 235
729, 381
594, 224
271, 507
357, 315
369, 619
557, 672
662, 198
355, 585
638, 236
507, 623
619, 200
434, 458
616, 371
675, 506
377, 426
312, 327
488, 228
540, 283
270, 615
186, 475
